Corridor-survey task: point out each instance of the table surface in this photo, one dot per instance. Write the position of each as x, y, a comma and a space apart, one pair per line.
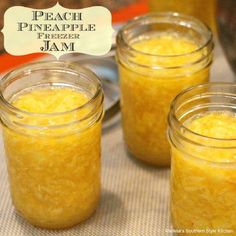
135, 197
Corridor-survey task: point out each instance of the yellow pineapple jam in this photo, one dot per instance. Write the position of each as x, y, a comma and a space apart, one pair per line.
54, 173
203, 180
165, 44
146, 93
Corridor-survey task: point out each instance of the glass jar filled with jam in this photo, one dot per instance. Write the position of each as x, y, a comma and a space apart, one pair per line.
51, 114
202, 134
158, 56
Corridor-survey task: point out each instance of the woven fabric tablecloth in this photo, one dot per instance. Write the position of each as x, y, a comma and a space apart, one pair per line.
135, 197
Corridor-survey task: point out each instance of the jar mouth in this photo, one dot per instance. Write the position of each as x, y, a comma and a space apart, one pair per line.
51, 74
176, 124
141, 19
37, 66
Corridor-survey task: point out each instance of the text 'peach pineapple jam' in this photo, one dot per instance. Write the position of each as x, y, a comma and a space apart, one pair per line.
54, 173
148, 92
203, 181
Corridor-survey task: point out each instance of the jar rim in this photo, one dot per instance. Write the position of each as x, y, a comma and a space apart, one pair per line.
35, 66
136, 19
172, 116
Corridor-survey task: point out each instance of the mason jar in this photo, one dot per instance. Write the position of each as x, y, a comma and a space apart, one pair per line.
202, 135
158, 55
51, 115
